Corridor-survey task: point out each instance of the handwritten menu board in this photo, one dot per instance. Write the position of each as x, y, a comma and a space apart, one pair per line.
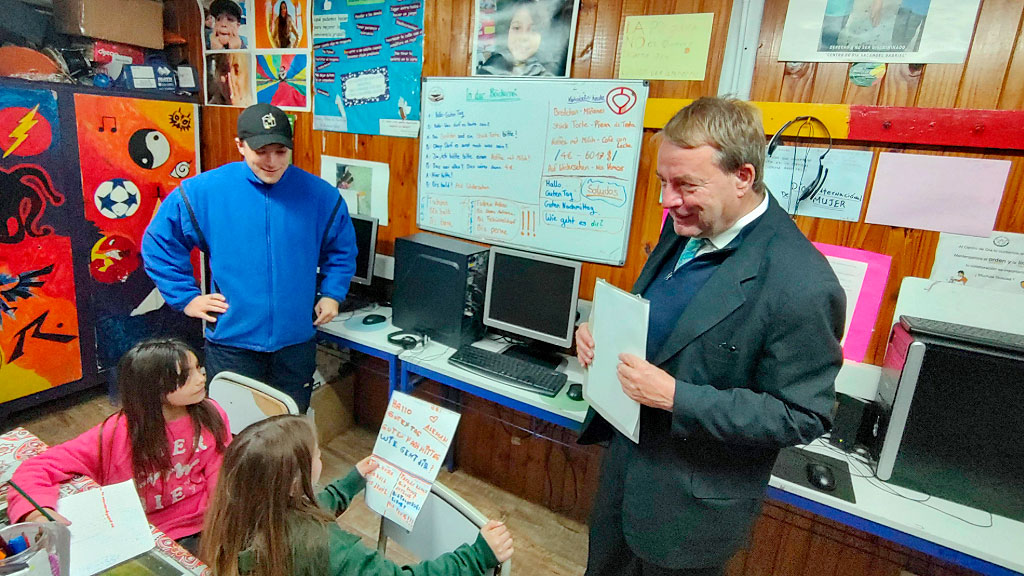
413, 440
543, 165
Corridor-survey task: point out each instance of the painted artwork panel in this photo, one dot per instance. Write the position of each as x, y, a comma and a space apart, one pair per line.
133, 153
40, 346
283, 80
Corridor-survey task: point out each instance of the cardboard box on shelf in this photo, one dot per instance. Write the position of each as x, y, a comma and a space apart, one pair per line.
137, 22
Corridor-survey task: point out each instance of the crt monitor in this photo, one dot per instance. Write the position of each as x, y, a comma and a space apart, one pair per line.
366, 242
532, 295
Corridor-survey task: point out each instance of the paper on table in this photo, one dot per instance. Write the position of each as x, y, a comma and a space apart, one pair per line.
863, 276
413, 440
943, 193
108, 526
618, 324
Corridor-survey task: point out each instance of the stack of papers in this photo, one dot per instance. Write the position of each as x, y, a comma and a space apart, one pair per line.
108, 526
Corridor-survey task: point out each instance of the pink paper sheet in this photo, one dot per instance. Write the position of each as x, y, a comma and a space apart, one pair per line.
865, 310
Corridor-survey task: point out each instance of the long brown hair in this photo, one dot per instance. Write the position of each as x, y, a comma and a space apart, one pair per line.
264, 504
146, 374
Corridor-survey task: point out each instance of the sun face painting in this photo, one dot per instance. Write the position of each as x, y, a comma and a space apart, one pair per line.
282, 80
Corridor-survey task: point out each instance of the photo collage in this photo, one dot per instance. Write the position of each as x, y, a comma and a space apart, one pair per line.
257, 51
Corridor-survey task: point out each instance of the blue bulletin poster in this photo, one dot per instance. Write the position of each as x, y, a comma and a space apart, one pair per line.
368, 59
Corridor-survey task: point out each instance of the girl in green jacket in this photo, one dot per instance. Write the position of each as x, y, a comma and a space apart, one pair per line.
266, 521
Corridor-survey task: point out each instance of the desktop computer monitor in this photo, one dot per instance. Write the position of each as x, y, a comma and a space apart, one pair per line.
532, 296
366, 242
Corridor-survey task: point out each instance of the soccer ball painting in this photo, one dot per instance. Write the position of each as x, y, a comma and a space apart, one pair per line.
117, 198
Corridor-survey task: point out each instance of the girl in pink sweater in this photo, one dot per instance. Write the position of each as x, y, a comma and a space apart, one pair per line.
168, 437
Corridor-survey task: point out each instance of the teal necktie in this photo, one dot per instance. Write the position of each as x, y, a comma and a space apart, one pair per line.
693, 245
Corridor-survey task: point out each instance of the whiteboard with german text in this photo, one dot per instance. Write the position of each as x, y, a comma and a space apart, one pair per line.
542, 165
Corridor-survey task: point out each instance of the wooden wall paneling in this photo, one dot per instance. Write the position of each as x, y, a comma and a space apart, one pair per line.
830, 81
861, 95
1011, 96
797, 82
722, 10
940, 84
768, 71
900, 85
583, 46
989, 57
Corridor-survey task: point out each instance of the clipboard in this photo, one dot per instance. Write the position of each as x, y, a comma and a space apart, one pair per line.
618, 323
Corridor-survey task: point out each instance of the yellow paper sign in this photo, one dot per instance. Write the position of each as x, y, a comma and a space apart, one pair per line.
666, 47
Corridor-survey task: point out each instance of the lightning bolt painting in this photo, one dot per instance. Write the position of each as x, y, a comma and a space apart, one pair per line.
20, 132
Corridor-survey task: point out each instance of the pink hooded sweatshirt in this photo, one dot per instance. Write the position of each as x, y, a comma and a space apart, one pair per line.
174, 501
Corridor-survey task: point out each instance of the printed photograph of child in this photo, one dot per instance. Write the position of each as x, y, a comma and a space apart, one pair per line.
524, 37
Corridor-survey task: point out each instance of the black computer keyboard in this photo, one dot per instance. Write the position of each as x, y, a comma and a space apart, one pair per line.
513, 371
971, 334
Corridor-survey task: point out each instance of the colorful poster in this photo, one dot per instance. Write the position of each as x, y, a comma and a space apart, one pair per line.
133, 154
282, 24
226, 24
40, 344
363, 185
283, 80
840, 177
993, 263
368, 57
516, 38
413, 440
666, 47
893, 31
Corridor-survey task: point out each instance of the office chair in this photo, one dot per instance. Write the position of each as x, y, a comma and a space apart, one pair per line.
247, 401
446, 521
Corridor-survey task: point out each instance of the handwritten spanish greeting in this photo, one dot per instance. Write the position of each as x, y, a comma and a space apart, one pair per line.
413, 440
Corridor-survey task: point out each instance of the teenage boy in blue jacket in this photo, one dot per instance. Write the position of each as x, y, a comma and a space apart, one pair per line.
266, 226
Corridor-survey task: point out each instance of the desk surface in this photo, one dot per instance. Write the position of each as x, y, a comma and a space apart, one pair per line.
349, 326
938, 521
19, 445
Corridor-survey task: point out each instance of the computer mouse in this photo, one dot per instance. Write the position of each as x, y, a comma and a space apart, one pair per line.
374, 318
820, 476
575, 392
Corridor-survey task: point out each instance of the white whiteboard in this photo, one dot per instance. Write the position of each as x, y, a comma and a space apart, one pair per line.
543, 165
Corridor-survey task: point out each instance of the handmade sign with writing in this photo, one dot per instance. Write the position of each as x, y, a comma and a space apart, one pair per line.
413, 440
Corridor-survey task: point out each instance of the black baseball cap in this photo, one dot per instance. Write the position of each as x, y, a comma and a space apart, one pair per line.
219, 7
262, 124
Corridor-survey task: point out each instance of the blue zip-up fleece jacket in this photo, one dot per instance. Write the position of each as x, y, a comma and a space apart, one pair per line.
265, 246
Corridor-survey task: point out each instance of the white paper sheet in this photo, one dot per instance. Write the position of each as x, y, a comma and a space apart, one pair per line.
108, 526
413, 440
618, 324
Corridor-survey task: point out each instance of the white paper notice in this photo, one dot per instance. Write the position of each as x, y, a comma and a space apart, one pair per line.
414, 438
108, 526
993, 263
850, 274
618, 324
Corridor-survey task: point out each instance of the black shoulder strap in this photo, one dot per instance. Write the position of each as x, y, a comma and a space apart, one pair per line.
330, 222
195, 223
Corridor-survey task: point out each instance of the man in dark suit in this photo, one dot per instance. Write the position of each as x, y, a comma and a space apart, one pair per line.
742, 354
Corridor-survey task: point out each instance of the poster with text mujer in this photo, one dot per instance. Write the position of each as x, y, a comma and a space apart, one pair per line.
368, 59
413, 440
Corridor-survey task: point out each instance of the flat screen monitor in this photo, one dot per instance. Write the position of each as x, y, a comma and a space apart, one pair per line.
366, 242
532, 295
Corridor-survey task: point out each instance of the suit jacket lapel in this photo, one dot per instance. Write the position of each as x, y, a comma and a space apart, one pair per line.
667, 244
722, 294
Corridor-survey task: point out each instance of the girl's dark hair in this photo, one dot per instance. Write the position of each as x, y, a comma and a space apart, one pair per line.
146, 374
281, 529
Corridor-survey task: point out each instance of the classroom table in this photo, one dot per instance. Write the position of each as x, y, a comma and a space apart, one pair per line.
347, 330
19, 445
971, 538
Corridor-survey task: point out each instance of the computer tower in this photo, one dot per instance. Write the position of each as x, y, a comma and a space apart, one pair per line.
848, 422
948, 422
439, 288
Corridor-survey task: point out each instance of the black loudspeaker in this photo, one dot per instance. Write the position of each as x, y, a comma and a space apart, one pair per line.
847, 421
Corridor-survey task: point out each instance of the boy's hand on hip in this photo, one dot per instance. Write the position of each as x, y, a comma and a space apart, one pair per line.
326, 309
206, 305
